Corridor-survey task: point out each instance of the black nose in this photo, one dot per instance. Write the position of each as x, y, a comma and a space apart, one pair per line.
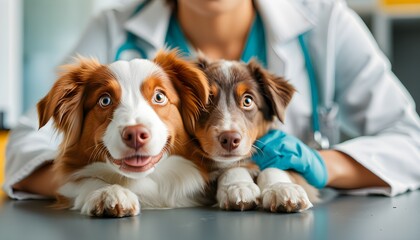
230, 140
135, 136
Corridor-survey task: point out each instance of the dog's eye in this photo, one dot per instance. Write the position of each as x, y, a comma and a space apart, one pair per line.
159, 98
105, 100
247, 102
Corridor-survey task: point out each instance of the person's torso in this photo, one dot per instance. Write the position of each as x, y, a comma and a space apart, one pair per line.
283, 55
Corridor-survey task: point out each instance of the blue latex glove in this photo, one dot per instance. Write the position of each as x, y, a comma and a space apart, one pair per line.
276, 149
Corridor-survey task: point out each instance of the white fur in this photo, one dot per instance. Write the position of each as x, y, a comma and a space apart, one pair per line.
270, 176
236, 186
134, 109
110, 197
229, 123
94, 197
225, 67
277, 190
175, 183
80, 190
101, 187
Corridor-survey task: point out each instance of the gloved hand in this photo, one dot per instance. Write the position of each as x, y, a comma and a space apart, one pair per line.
278, 150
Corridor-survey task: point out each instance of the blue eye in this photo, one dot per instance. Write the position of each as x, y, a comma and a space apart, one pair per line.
105, 100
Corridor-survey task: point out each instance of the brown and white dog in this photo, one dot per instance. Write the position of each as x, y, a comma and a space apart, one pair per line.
119, 124
244, 101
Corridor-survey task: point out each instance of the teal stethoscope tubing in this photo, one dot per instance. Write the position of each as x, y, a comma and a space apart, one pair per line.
130, 42
312, 82
320, 141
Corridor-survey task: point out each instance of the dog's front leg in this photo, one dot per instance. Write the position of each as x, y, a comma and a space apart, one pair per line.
95, 197
236, 190
280, 194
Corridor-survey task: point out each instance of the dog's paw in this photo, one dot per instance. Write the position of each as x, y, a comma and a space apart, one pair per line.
238, 196
111, 201
285, 197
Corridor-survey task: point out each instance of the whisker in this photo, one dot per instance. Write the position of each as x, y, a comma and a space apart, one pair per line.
98, 151
257, 150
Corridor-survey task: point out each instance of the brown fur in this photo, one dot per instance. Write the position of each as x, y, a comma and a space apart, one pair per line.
72, 103
194, 94
275, 90
77, 116
271, 95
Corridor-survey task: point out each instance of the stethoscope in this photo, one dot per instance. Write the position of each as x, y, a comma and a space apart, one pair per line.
130, 50
319, 140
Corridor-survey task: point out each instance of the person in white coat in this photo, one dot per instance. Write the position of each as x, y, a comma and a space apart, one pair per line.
357, 94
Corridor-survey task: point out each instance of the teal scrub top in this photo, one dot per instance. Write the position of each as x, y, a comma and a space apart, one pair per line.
255, 46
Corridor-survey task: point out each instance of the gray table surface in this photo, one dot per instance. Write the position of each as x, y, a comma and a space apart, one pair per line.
338, 217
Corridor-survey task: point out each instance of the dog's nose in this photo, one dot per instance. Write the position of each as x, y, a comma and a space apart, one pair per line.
135, 136
230, 140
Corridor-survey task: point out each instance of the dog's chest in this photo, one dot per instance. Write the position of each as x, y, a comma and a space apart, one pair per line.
216, 169
176, 182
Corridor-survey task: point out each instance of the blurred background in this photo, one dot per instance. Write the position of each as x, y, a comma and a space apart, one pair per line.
35, 36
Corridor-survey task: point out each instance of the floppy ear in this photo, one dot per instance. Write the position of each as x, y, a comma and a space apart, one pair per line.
277, 91
64, 102
190, 83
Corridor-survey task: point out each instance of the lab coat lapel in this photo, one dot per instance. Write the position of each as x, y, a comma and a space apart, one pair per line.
284, 21
150, 24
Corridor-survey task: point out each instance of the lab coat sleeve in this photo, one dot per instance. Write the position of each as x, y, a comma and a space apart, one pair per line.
96, 41
29, 148
375, 107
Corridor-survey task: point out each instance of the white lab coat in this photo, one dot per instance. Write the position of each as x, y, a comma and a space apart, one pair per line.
374, 108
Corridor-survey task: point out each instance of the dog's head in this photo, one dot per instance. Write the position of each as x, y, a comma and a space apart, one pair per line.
244, 101
127, 114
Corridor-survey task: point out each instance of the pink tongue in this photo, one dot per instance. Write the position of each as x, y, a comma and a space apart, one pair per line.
137, 161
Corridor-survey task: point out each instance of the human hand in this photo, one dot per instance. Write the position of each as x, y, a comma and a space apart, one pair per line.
277, 149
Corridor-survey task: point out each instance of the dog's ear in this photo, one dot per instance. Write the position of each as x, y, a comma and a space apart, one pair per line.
202, 62
64, 102
276, 90
190, 83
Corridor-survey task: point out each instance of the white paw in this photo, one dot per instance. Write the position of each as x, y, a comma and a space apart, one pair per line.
238, 196
111, 201
285, 197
